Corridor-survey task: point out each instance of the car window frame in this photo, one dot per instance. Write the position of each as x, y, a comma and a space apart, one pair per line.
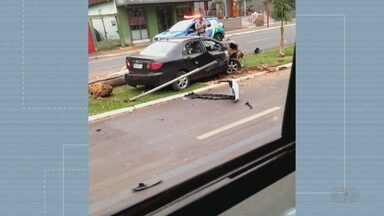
222, 47
275, 160
185, 53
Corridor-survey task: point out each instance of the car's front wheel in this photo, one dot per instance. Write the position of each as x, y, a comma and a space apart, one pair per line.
233, 66
182, 83
219, 37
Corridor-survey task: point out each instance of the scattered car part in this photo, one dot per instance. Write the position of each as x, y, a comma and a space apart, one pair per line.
143, 186
269, 68
234, 89
258, 50
172, 81
234, 94
249, 105
207, 96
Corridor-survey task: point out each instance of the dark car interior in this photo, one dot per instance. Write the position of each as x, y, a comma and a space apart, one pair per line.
193, 48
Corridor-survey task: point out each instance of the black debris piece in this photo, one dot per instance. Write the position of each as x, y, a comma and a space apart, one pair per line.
206, 96
249, 105
258, 50
143, 186
98, 130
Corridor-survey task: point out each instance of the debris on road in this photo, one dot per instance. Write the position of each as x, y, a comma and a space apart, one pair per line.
207, 96
143, 186
98, 130
269, 68
249, 105
234, 95
257, 50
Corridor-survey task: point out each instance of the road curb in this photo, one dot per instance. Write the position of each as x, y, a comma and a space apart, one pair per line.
283, 66
133, 50
111, 76
125, 110
111, 55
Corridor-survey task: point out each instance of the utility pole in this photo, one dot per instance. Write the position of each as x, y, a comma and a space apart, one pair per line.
266, 10
225, 9
245, 8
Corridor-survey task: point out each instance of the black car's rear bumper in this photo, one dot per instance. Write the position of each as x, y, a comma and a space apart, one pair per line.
149, 79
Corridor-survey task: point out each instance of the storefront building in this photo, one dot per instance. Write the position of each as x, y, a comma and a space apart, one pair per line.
229, 8
128, 22
103, 21
143, 19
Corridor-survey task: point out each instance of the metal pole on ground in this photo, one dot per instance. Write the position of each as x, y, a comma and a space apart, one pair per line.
174, 80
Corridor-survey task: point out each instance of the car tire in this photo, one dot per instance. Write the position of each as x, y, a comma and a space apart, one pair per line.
233, 66
218, 37
182, 83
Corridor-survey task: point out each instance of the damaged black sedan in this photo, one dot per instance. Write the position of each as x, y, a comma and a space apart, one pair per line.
167, 59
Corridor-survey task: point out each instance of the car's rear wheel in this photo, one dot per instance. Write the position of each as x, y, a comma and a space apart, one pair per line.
182, 83
233, 66
219, 37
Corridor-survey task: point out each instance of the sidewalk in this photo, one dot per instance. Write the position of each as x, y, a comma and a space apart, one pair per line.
116, 51
124, 50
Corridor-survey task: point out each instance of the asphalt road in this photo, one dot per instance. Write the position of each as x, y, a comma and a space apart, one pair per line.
176, 140
266, 39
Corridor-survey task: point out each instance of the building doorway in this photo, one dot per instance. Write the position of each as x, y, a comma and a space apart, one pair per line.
138, 23
105, 31
182, 10
164, 17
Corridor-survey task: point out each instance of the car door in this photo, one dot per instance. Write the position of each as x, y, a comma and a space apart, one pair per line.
195, 55
218, 51
191, 31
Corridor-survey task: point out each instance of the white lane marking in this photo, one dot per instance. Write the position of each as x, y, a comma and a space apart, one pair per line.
258, 40
237, 123
290, 213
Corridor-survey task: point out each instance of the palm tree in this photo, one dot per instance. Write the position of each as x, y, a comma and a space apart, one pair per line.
281, 11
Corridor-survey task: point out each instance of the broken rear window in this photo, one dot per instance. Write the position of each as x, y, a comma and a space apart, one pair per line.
158, 49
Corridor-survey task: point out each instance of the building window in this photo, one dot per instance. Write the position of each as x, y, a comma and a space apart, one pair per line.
164, 17
138, 23
182, 10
